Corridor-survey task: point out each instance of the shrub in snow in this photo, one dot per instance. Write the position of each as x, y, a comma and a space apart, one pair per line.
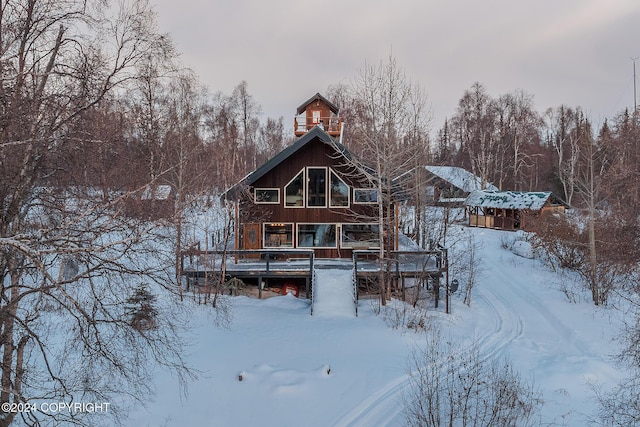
452, 385
399, 314
235, 286
141, 308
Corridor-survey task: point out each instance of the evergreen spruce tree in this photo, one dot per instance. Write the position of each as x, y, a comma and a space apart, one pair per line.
141, 308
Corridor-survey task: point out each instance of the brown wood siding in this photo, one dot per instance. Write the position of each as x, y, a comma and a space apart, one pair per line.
314, 154
325, 113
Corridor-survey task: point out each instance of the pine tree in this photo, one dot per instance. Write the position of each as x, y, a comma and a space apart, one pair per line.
141, 308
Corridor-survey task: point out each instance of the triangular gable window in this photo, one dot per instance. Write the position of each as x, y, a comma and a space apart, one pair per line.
294, 191
339, 197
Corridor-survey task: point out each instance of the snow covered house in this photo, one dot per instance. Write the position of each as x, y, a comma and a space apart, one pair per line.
313, 204
509, 209
443, 185
308, 196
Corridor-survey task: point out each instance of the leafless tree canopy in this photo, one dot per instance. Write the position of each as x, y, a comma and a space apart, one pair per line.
68, 257
95, 107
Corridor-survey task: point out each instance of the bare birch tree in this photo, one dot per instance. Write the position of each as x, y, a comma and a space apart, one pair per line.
520, 127
567, 129
476, 130
388, 116
69, 260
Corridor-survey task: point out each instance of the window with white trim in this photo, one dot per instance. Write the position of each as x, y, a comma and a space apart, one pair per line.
365, 195
317, 236
339, 192
317, 187
294, 191
267, 195
278, 235
365, 236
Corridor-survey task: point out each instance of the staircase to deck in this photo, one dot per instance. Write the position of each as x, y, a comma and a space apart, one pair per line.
333, 291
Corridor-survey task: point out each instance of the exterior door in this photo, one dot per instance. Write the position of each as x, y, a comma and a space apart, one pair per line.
252, 236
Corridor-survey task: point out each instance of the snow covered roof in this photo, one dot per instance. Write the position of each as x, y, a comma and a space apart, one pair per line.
511, 199
460, 178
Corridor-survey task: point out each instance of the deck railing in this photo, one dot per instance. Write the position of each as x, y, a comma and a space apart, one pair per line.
401, 265
400, 262
265, 257
257, 264
332, 125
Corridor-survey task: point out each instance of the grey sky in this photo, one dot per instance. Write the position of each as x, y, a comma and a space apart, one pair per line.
572, 52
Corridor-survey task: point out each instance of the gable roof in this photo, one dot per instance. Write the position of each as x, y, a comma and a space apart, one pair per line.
512, 199
305, 139
334, 108
460, 178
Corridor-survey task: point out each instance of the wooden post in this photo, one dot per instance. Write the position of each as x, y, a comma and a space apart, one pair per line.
446, 300
397, 226
236, 237
446, 275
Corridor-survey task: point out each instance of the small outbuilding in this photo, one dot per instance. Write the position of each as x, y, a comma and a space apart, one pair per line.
443, 185
508, 209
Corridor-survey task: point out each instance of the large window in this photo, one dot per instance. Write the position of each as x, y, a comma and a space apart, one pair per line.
278, 235
317, 188
363, 236
317, 236
294, 191
314, 187
339, 194
267, 195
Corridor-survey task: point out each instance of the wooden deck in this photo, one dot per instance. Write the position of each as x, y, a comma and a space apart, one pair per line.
261, 266
267, 266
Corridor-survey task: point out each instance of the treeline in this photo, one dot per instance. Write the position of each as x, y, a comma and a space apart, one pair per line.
167, 129
165, 121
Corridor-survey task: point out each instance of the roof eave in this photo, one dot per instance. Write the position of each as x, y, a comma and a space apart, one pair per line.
333, 107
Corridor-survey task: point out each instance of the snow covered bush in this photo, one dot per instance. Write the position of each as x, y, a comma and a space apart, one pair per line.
519, 243
621, 406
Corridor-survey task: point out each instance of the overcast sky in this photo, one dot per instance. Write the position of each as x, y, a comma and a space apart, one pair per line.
572, 52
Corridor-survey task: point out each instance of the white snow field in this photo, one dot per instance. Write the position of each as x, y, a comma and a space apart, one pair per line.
336, 369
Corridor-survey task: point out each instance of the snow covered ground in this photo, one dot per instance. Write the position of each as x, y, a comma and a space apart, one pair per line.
335, 369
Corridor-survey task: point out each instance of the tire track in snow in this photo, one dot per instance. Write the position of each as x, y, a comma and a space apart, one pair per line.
556, 326
384, 407
511, 323
379, 409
